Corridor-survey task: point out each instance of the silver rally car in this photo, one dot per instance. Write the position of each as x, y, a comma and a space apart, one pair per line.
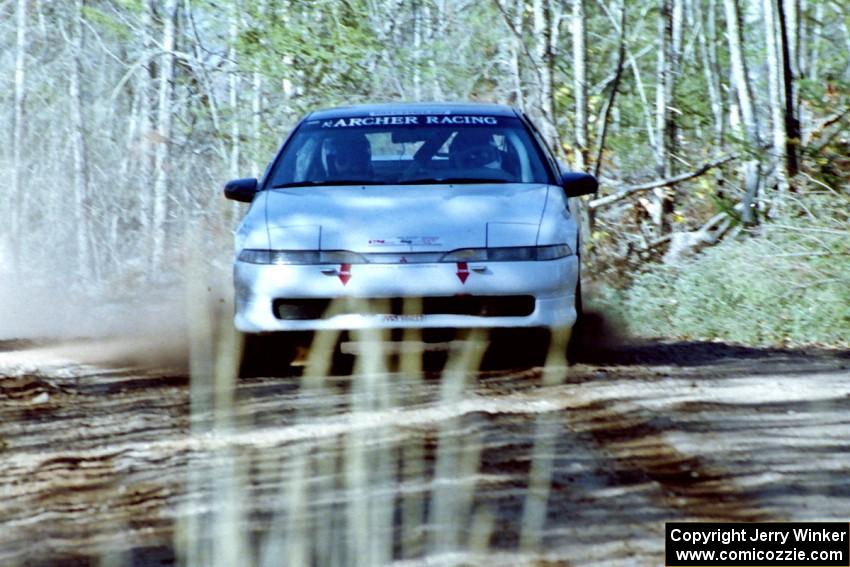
409, 215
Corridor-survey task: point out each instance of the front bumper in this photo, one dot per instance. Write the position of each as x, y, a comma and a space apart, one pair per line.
261, 289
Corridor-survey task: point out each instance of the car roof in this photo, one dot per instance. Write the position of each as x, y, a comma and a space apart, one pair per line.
389, 109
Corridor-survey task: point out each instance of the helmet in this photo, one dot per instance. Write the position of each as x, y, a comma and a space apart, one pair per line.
473, 148
348, 152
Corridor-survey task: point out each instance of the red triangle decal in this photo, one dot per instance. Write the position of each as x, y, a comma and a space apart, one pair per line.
344, 273
462, 271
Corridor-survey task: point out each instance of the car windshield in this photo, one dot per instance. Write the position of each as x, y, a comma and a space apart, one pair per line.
410, 149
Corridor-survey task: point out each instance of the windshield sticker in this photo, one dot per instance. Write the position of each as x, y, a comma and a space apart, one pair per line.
406, 121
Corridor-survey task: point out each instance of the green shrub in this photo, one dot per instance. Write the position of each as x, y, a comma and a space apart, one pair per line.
787, 285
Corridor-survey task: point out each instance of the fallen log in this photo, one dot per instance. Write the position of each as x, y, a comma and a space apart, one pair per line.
631, 190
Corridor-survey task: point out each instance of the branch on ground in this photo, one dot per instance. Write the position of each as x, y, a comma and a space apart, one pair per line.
686, 243
827, 131
631, 190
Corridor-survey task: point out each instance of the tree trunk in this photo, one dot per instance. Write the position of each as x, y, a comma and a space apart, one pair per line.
258, 85
579, 32
234, 87
435, 35
615, 86
752, 171
82, 203
662, 90
145, 83
647, 107
543, 57
162, 159
740, 75
804, 27
234, 83
668, 28
792, 124
18, 195
814, 44
845, 27
417, 51
793, 23
708, 54
516, 49
775, 80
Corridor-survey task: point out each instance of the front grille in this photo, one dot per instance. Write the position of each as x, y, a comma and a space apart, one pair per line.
474, 305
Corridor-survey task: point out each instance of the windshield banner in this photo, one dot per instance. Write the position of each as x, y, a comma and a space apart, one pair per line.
418, 120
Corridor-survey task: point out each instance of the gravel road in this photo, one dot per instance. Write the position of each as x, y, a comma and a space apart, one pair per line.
112, 455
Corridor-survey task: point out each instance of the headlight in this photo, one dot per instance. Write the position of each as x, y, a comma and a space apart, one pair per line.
340, 257
255, 256
465, 255
553, 252
508, 254
289, 257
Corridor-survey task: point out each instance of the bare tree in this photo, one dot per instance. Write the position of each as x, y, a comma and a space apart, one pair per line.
516, 50
257, 90
417, 50
787, 40
144, 81
740, 76
605, 115
18, 197
814, 44
664, 120
234, 85
82, 203
669, 25
711, 68
579, 33
542, 30
162, 164
775, 82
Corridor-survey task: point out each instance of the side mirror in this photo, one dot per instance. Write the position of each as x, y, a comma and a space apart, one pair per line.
578, 184
242, 190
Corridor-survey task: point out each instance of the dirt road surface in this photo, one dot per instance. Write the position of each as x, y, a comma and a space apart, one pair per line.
110, 458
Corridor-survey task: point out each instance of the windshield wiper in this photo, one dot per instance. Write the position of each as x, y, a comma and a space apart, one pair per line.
450, 180
314, 183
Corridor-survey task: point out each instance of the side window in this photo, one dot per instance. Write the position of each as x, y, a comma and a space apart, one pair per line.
298, 162
544, 147
304, 159
516, 158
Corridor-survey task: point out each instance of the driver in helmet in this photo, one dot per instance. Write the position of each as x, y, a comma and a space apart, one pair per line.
349, 156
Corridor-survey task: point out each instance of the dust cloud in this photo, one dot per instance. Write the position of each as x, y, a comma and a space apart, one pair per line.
136, 324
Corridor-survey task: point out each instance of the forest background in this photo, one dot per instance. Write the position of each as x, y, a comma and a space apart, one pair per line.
718, 128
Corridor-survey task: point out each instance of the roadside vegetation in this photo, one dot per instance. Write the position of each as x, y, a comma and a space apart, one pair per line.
784, 284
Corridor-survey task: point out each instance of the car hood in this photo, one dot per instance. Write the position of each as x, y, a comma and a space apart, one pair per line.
404, 218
